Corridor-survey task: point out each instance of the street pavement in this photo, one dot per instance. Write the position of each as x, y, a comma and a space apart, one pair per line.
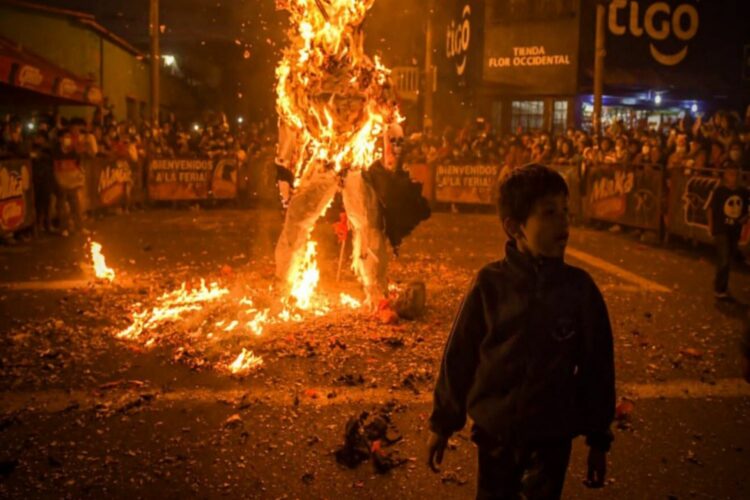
86, 414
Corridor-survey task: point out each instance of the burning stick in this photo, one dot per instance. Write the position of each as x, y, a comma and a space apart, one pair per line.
323, 10
342, 231
341, 261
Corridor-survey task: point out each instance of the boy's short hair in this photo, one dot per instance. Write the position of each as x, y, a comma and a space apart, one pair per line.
524, 186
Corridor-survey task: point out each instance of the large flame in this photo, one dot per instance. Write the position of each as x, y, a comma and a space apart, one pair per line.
329, 92
306, 279
338, 102
347, 300
101, 270
244, 362
171, 307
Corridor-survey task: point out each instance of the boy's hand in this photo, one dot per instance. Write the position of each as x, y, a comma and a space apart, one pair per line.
436, 448
597, 468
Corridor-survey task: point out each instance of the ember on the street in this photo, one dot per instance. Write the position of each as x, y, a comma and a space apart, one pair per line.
395, 249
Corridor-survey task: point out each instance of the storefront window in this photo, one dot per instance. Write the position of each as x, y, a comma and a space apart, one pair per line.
629, 116
529, 115
560, 116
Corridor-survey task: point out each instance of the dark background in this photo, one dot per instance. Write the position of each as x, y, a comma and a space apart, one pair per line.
209, 39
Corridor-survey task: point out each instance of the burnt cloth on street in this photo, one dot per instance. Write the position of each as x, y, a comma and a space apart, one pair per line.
403, 205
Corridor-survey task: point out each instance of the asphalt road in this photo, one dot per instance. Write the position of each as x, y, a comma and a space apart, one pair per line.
86, 414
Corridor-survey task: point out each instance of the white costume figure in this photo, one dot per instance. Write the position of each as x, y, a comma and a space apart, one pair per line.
370, 246
335, 104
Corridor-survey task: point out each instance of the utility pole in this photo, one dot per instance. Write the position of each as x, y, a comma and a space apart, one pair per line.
600, 53
155, 62
429, 74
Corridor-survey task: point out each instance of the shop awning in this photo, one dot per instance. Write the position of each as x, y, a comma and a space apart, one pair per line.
26, 70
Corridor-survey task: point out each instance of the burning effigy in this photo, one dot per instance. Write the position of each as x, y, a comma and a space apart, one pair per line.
340, 131
338, 117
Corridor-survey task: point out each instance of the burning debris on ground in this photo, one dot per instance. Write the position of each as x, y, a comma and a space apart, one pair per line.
201, 297
369, 436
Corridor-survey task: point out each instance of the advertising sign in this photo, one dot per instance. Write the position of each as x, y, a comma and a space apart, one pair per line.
532, 57
16, 196
625, 194
698, 42
459, 42
111, 182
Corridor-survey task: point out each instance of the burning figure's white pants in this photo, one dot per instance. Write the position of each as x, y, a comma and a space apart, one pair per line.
370, 252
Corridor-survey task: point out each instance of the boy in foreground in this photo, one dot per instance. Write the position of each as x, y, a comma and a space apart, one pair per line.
530, 355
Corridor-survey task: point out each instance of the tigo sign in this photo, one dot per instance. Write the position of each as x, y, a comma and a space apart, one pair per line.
457, 40
658, 21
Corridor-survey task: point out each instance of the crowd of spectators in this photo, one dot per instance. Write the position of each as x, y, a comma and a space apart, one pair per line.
685, 142
49, 141
109, 138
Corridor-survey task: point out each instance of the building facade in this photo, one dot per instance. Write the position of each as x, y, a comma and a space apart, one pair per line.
529, 63
75, 42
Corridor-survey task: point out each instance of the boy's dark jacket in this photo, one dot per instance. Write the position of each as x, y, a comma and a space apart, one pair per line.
530, 355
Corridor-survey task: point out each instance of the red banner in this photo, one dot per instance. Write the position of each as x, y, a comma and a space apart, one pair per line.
16, 196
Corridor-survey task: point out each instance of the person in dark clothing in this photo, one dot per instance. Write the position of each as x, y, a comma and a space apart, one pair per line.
44, 179
530, 355
727, 212
69, 180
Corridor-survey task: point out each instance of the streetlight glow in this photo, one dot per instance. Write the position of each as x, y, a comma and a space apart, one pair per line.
169, 60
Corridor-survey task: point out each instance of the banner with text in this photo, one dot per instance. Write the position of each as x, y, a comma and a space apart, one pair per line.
111, 182
466, 183
625, 194
531, 57
16, 196
174, 179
